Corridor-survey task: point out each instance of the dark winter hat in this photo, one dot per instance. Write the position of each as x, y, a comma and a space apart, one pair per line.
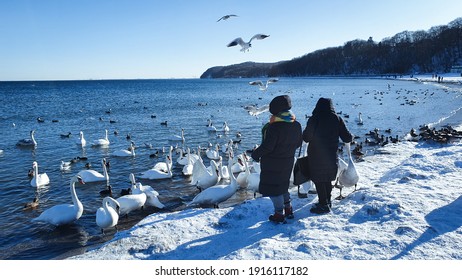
279, 104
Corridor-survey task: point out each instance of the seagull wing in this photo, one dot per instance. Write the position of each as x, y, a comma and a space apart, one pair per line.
226, 17
235, 42
272, 81
259, 37
256, 83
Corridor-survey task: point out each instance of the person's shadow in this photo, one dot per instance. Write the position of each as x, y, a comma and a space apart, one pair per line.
440, 221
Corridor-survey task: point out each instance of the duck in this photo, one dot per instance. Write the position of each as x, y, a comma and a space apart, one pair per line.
102, 142
107, 216
217, 193
81, 140
178, 137
93, 176
107, 191
31, 205
349, 176
202, 177
63, 214
155, 174
38, 179
68, 135
133, 201
125, 153
28, 142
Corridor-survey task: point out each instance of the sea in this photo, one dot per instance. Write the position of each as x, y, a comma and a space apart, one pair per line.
136, 110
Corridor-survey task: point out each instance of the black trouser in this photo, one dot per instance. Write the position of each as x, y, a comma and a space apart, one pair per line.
324, 190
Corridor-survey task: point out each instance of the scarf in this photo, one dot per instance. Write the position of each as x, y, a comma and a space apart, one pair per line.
283, 116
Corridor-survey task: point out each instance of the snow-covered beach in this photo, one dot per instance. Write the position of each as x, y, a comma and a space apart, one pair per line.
408, 206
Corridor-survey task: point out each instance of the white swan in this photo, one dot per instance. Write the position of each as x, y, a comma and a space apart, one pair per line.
94, 176
223, 169
28, 142
125, 153
38, 180
102, 142
202, 177
348, 177
359, 121
131, 202
188, 167
183, 159
152, 196
155, 174
239, 165
64, 213
210, 126
213, 153
217, 193
225, 127
162, 166
81, 140
249, 180
108, 215
178, 137
65, 165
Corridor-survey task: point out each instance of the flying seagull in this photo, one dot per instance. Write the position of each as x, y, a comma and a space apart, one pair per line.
253, 110
261, 85
245, 46
226, 17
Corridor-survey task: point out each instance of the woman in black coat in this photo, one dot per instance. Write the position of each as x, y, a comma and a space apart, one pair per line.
281, 138
322, 132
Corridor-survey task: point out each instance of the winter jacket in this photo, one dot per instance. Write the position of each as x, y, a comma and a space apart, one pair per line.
322, 132
277, 150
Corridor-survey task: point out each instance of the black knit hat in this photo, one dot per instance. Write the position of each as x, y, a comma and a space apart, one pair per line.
279, 104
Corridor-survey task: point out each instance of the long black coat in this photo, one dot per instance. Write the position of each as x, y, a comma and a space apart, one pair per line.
322, 132
276, 154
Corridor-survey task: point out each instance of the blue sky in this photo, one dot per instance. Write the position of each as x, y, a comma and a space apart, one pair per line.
117, 39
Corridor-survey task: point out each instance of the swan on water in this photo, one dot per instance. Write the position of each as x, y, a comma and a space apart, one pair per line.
125, 153
162, 166
89, 176
178, 137
133, 201
202, 177
107, 216
152, 196
38, 179
81, 140
155, 174
28, 142
102, 142
62, 214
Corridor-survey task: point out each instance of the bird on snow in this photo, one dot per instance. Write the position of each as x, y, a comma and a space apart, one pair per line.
246, 45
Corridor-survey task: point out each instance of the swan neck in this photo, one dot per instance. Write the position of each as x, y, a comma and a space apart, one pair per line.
75, 199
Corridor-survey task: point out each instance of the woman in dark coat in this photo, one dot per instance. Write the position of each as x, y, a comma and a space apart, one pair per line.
280, 139
322, 132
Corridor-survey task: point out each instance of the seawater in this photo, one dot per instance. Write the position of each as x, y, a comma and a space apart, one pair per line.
137, 108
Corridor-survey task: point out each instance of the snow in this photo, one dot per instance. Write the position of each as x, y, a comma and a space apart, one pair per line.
407, 206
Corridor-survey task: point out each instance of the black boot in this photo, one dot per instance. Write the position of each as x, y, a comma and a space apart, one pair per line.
288, 212
277, 218
320, 209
